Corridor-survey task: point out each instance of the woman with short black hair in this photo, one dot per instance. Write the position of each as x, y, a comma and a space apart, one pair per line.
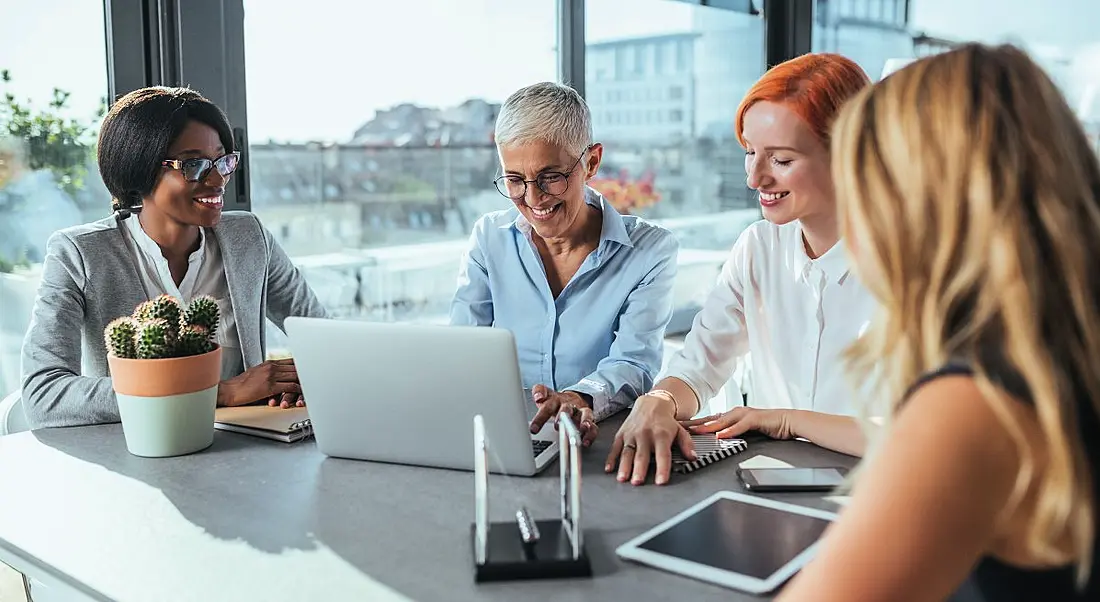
140, 130
165, 155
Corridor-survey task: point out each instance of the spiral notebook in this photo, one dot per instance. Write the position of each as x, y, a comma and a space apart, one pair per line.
286, 425
708, 450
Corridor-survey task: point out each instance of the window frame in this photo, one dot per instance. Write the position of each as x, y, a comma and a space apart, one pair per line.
169, 43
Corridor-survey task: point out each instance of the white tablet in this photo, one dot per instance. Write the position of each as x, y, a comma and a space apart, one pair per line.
733, 540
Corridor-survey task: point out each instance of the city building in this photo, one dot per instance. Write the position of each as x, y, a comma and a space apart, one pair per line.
642, 89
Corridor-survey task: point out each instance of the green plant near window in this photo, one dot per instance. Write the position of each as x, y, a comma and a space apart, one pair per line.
411, 185
63, 145
163, 328
7, 266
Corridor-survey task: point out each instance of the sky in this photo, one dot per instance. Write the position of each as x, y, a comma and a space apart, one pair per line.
319, 69
431, 52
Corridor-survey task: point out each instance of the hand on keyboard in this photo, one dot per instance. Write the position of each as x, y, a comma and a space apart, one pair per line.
552, 403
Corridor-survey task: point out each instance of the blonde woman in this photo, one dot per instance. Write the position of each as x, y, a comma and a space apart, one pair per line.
971, 202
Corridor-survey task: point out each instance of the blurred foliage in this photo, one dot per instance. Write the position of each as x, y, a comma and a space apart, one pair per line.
63, 145
8, 266
411, 185
628, 195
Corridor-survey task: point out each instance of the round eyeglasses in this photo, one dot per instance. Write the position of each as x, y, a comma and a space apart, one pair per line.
196, 170
553, 183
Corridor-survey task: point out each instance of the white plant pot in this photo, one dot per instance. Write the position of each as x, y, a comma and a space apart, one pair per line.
169, 425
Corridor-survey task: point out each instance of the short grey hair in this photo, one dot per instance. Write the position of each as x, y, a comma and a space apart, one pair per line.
545, 112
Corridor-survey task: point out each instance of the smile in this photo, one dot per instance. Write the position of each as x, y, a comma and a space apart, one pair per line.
210, 201
545, 212
771, 199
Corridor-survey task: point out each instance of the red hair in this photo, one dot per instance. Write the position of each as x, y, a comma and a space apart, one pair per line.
814, 86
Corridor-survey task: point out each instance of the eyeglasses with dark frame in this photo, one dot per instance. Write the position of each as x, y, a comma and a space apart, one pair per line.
553, 183
196, 170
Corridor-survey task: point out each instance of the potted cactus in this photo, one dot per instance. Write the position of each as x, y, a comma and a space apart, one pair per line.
165, 369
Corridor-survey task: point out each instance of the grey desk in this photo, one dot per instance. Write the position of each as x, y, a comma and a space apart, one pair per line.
260, 520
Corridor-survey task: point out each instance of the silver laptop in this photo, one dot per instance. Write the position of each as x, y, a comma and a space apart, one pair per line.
408, 394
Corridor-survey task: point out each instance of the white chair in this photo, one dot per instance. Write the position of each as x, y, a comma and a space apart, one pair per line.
12, 418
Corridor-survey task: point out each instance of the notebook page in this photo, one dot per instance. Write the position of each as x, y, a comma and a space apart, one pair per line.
266, 418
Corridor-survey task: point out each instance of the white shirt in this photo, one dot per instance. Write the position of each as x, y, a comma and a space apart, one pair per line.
205, 276
794, 315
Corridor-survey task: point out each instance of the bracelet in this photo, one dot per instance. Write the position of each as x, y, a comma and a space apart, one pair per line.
661, 393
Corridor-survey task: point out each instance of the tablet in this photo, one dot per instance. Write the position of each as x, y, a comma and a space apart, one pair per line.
733, 540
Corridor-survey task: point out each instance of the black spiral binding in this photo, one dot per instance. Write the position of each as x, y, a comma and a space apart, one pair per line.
709, 450
302, 425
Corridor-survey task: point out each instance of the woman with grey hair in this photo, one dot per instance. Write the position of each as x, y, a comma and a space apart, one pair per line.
586, 292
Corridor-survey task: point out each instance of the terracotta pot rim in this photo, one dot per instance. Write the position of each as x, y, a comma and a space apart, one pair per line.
165, 376
115, 358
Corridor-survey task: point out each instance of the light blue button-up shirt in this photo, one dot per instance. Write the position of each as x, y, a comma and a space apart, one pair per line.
604, 334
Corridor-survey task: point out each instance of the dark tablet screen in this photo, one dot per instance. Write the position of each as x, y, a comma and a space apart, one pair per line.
743, 538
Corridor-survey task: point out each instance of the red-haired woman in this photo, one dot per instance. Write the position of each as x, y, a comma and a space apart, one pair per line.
784, 295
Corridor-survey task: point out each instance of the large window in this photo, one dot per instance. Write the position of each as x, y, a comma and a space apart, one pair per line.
664, 80
372, 137
370, 171
883, 34
51, 101
369, 128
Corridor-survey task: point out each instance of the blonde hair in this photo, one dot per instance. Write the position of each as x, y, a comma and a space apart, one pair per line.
969, 195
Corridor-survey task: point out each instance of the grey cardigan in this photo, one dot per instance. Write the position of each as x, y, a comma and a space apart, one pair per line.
90, 277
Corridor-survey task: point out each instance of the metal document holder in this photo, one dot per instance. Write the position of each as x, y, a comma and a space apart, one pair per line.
525, 549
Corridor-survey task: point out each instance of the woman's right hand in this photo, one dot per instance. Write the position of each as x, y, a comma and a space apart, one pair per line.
651, 429
273, 379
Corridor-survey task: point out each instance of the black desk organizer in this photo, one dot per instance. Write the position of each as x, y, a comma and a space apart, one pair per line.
528, 549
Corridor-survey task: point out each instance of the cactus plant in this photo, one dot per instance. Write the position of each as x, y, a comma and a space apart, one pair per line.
119, 335
168, 388
202, 311
193, 340
162, 328
167, 308
153, 340
144, 311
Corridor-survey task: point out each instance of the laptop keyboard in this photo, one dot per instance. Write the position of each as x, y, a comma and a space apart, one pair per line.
538, 446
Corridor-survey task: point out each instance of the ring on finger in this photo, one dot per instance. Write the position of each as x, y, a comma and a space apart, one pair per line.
630, 446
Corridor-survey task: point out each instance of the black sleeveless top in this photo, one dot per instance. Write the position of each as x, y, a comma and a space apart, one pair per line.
995, 581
